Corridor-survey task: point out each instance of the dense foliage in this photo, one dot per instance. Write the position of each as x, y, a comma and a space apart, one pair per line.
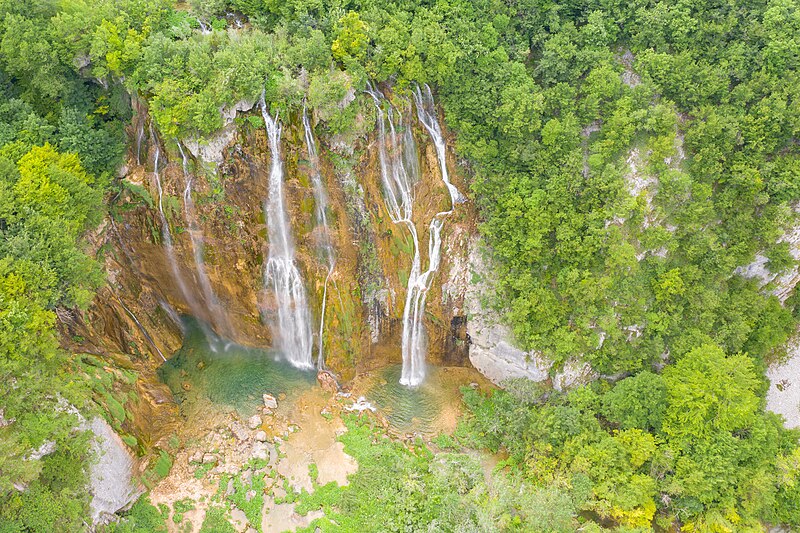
691, 445
627, 158
400, 489
60, 138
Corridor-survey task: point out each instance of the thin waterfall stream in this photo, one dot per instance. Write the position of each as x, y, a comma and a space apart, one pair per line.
321, 201
188, 296
291, 324
216, 312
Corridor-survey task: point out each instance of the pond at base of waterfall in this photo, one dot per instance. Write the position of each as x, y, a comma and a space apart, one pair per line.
431, 408
211, 369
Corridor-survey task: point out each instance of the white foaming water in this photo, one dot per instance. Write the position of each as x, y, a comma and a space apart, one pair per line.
399, 172
321, 200
292, 325
426, 112
216, 312
139, 137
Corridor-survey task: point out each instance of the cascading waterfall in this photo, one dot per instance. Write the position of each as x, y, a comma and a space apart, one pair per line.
321, 199
215, 310
139, 137
166, 235
426, 113
141, 328
292, 326
419, 287
399, 172
188, 296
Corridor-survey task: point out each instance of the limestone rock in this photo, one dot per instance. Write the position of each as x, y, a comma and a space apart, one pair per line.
327, 381
254, 422
209, 458
111, 480
270, 402
239, 431
572, 374
260, 451
261, 436
492, 350
238, 519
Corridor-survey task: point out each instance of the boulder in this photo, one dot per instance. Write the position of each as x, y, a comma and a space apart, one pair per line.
327, 381
254, 422
112, 483
260, 451
239, 431
209, 458
270, 402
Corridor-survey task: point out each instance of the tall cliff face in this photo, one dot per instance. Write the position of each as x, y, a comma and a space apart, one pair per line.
214, 268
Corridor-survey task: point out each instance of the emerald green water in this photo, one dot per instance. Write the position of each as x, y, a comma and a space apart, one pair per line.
227, 374
409, 409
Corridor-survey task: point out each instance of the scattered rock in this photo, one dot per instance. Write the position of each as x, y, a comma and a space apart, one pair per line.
5, 422
230, 489
239, 431
196, 457
282, 396
270, 402
260, 451
201, 365
48, 447
278, 492
186, 386
325, 412
254, 422
261, 436
327, 381
250, 495
209, 458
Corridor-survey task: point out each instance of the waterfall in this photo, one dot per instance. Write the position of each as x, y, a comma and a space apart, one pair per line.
399, 172
188, 296
215, 309
321, 200
426, 113
139, 137
292, 329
